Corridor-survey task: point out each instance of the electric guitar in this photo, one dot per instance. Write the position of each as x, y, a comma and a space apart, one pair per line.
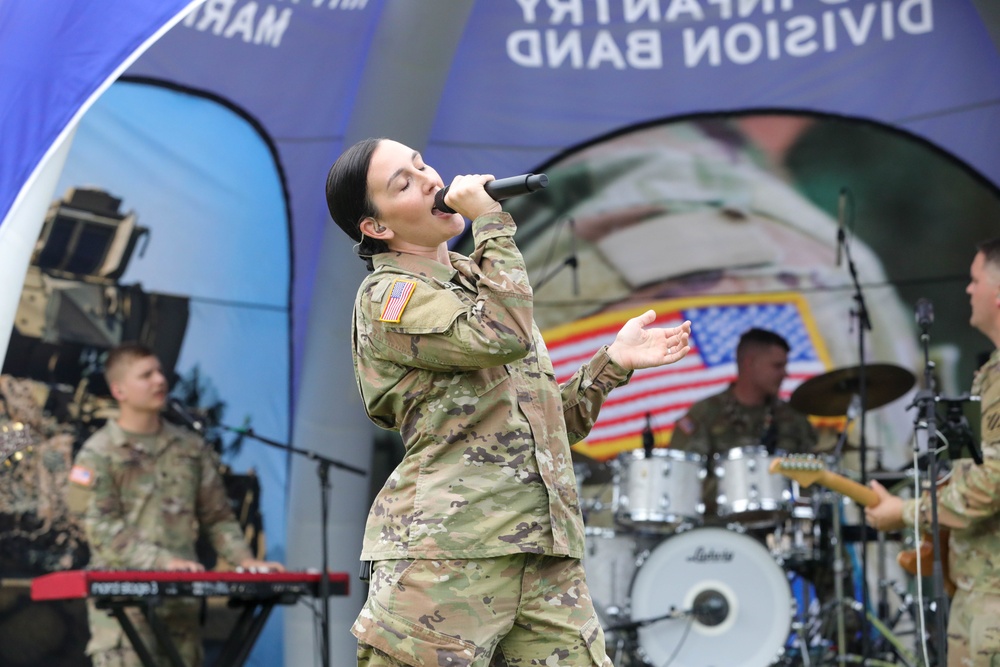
807, 470
14, 436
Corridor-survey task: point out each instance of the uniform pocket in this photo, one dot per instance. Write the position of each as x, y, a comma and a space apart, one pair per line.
484, 380
593, 637
408, 642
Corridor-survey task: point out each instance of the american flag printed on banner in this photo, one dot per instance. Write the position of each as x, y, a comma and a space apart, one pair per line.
400, 294
667, 392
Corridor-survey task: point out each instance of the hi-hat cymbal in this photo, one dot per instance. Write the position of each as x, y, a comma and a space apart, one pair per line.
830, 394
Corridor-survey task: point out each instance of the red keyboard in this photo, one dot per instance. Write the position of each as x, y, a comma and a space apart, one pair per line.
147, 583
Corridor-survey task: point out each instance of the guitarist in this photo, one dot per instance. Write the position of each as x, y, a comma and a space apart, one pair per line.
970, 504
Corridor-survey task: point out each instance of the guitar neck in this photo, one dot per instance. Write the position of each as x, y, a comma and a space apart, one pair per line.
856, 492
808, 471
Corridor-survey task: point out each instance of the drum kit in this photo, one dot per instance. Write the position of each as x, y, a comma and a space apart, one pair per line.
675, 587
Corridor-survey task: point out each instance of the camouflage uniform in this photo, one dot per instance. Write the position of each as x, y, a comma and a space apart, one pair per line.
970, 506
143, 500
486, 482
719, 423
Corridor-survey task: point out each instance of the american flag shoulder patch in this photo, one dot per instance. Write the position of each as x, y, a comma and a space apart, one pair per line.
81, 475
399, 296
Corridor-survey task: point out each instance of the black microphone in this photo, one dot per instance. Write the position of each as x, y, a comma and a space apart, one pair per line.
841, 235
648, 438
924, 313
179, 411
500, 188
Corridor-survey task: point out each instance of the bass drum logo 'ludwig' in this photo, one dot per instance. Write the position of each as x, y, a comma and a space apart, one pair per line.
740, 601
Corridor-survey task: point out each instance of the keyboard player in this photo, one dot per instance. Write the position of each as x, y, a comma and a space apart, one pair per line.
143, 489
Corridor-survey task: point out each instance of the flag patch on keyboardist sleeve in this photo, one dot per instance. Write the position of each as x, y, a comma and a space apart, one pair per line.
81, 475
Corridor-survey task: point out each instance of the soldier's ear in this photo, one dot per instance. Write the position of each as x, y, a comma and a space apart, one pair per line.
373, 228
116, 391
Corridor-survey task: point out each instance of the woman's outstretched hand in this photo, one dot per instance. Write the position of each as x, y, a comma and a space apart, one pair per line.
636, 346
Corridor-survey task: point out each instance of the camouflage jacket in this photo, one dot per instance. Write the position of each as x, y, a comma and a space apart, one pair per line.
141, 508
970, 502
719, 423
465, 377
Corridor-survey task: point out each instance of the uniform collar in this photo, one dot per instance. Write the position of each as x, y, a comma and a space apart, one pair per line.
118, 437
415, 264
771, 403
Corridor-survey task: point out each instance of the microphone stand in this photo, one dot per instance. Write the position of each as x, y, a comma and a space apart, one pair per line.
570, 261
864, 324
323, 469
632, 626
925, 401
837, 539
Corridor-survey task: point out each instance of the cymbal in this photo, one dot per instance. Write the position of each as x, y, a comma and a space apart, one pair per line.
830, 394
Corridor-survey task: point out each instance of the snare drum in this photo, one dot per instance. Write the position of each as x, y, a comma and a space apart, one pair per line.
748, 492
660, 492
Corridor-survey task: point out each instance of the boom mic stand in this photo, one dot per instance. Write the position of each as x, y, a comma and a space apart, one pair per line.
323, 469
864, 324
926, 404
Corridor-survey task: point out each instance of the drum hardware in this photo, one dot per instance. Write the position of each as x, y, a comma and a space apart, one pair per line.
838, 581
800, 541
634, 568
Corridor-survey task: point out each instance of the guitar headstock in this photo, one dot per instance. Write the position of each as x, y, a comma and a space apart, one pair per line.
14, 436
803, 468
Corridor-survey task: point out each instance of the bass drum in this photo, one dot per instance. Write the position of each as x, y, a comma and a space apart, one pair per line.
739, 602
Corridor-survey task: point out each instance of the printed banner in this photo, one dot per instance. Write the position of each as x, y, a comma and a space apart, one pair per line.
666, 393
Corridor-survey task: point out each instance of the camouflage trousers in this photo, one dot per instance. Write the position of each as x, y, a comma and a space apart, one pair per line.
509, 611
974, 630
110, 647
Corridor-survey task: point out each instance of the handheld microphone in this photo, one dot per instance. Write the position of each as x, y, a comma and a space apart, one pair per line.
500, 188
178, 411
924, 313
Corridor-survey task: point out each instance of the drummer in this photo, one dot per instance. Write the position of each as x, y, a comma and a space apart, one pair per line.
748, 413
